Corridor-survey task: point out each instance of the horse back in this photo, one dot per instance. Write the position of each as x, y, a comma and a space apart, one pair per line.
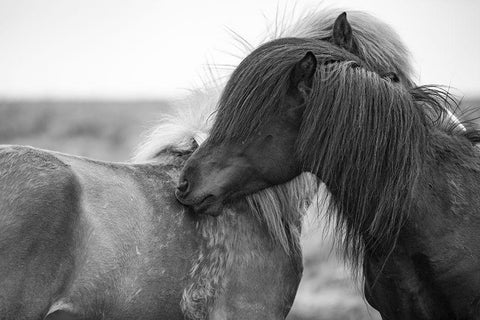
38, 212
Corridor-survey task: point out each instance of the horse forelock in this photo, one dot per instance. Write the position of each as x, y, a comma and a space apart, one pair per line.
256, 88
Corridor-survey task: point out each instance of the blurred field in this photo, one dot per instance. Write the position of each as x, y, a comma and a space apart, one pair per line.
103, 130
111, 131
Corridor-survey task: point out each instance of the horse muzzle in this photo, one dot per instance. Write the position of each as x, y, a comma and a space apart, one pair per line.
206, 204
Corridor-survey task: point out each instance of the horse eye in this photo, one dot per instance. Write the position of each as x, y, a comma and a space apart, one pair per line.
392, 76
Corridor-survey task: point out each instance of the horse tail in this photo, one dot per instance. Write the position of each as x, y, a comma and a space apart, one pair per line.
39, 209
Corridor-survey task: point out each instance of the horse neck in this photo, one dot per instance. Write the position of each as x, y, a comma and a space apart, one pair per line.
369, 159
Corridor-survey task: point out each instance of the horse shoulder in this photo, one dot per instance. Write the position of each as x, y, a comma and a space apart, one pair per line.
38, 213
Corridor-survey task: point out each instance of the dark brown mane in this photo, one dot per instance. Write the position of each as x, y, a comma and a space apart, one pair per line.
362, 134
260, 82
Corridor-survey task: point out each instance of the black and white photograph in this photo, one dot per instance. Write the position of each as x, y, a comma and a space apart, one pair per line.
239, 160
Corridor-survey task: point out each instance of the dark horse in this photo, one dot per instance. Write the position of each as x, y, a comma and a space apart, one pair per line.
402, 173
83, 239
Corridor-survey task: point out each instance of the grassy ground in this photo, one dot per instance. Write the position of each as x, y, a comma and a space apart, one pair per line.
111, 130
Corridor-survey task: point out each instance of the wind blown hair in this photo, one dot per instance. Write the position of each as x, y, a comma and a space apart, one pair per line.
189, 122
366, 137
362, 134
261, 81
375, 42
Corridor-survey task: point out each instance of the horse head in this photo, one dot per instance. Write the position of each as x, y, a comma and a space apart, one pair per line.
223, 171
255, 155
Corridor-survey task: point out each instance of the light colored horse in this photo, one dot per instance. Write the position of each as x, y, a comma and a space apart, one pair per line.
85, 239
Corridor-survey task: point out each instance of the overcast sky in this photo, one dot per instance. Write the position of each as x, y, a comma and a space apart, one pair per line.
156, 48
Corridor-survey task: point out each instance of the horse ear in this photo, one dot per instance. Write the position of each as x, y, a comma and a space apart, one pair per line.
342, 32
301, 78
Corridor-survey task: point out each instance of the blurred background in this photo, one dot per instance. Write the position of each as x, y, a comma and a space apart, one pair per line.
88, 77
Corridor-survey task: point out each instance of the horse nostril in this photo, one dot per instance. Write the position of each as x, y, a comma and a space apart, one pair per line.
183, 186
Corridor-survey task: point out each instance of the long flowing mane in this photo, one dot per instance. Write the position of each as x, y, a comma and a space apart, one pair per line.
366, 137
362, 134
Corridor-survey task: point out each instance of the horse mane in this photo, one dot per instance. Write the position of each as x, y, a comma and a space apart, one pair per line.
376, 137
188, 123
376, 146
376, 43
261, 81
377, 143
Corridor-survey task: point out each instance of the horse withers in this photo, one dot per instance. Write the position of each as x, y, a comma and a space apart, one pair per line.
84, 239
